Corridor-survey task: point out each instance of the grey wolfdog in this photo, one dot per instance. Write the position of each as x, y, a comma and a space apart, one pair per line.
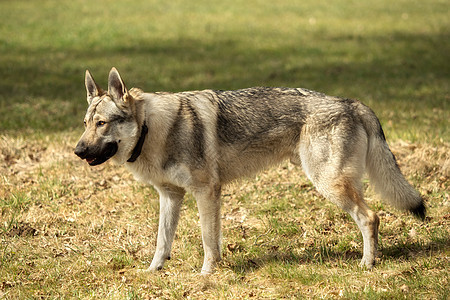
198, 141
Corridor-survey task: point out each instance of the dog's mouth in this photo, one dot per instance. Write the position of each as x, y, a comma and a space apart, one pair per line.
94, 158
96, 161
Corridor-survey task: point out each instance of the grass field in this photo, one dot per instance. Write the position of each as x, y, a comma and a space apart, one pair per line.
71, 231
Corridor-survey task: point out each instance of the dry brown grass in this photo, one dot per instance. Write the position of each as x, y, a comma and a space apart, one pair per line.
69, 230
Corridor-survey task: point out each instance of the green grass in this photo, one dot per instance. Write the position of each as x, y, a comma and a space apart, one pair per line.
361, 50
70, 231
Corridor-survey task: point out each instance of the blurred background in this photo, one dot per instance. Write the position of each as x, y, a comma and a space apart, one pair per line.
392, 55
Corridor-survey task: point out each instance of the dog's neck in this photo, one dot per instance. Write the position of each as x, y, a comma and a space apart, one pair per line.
138, 148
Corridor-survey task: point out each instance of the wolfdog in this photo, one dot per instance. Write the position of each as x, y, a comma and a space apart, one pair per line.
198, 141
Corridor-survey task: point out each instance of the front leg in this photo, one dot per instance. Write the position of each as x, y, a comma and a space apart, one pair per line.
170, 199
208, 202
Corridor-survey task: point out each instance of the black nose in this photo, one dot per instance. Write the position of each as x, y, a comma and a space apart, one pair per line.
81, 150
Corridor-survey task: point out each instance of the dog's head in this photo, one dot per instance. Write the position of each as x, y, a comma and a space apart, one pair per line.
111, 128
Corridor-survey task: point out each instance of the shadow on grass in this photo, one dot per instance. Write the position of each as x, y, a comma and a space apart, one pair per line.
43, 88
411, 250
324, 254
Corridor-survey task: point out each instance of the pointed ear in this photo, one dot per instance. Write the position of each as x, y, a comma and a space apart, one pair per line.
116, 88
92, 89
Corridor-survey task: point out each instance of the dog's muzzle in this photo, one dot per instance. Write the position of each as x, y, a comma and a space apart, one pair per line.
95, 155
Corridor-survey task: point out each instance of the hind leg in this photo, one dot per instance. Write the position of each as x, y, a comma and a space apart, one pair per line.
346, 195
336, 167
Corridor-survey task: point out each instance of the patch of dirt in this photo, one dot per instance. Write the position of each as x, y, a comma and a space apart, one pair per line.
22, 230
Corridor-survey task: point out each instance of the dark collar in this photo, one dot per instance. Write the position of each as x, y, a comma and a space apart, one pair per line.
138, 148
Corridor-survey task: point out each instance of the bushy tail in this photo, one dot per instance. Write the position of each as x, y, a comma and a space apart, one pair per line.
383, 170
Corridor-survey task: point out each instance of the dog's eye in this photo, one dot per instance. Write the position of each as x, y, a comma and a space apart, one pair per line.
84, 122
100, 123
